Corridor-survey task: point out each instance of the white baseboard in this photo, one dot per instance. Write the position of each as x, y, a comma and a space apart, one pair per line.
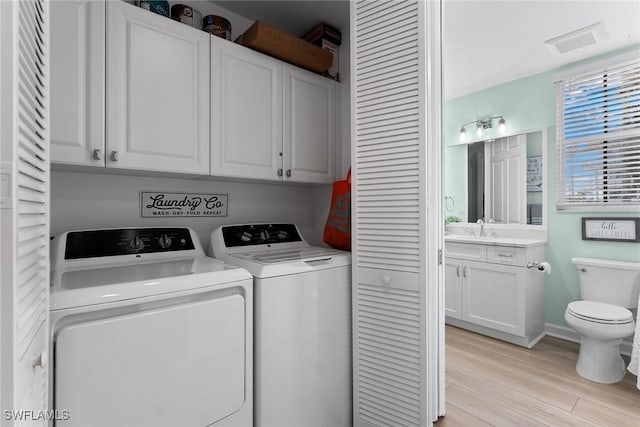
568, 334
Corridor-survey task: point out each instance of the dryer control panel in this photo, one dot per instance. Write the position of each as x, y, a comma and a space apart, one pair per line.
126, 241
259, 234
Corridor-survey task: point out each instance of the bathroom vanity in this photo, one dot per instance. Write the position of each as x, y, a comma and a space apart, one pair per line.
492, 283
493, 287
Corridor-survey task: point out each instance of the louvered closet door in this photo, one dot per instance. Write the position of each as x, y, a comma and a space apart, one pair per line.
25, 214
396, 302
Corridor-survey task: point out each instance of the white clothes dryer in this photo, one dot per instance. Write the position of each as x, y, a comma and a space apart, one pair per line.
148, 331
302, 324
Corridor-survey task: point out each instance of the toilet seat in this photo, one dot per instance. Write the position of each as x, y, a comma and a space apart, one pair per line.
599, 312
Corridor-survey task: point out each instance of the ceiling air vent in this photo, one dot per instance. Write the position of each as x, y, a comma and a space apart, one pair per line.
581, 37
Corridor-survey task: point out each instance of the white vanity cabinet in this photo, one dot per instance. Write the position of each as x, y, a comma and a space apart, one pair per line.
490, 290
269, 120
453, 288
158, 92
77, 82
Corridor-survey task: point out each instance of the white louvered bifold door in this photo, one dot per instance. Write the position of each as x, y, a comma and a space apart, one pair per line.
397, 304
24, 294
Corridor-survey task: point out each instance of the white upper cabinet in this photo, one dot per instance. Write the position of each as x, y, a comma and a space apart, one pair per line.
77, 82
246, 112
309, 126
158, 92
269, 120
135, 90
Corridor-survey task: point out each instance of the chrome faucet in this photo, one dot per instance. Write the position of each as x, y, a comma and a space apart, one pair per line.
482, 232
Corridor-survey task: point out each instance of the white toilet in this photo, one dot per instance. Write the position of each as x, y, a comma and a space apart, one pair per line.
609, 289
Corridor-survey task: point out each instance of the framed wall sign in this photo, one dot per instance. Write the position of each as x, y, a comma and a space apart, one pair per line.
611, 229
534, 173
176, 205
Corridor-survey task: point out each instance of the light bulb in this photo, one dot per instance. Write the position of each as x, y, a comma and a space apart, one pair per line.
463, 134
479, 130
502, 125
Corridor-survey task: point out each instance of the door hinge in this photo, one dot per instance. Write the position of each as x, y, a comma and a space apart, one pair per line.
439, 256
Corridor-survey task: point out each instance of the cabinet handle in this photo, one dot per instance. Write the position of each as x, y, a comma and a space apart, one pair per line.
114, 156
97, 154
464, 272
288, 173
279, 172
457, 271
505, 255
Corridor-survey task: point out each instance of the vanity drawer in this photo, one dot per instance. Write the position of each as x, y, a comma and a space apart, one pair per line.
466, 251
506, 255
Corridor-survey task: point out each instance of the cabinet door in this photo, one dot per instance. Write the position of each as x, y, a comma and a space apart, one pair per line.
246, 112
158, 92
453, 288
77, 82
309, 126
493, 296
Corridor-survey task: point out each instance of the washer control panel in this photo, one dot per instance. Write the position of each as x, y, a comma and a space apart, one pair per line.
126, 241
259, 234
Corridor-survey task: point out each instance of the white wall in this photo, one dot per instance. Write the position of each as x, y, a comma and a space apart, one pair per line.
92, 200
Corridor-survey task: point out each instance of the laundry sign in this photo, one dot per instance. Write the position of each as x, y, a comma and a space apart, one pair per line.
165, 205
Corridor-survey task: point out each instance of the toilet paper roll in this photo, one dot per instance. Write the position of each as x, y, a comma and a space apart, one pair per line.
545, 266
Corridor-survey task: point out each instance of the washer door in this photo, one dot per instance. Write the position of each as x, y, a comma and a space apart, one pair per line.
181, 365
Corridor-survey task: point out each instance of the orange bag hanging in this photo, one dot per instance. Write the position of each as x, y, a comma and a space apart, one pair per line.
337, 231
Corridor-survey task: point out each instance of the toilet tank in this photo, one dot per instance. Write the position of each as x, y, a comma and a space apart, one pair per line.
612, 282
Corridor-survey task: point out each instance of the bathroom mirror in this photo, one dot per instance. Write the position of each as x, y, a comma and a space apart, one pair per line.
505, 179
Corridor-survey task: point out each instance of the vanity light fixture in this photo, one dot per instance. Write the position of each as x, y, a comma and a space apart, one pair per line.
502, 125
482, 125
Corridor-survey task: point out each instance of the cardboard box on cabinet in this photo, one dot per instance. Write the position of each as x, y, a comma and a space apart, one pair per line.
282, 45
329, 39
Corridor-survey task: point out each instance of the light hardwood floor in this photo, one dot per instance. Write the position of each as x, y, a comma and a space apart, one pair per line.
493, 383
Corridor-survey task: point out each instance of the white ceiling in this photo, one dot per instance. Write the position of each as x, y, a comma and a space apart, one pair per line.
489, 42
485, 42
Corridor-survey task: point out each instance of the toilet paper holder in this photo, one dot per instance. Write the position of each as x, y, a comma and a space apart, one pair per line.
540, 265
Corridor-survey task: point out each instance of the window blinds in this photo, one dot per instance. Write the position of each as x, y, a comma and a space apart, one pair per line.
598, 137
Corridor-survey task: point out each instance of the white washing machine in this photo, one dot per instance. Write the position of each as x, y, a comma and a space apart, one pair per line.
148, 331
302, 324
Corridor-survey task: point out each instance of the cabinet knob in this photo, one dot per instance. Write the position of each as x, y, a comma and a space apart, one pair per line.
386, 280
288, 173
97, 154
279, 172
114, 156
42, 360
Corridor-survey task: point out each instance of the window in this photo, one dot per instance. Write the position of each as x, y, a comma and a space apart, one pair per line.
598, 135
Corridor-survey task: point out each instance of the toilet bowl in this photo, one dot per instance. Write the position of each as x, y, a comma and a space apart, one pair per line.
602, 328
608, 288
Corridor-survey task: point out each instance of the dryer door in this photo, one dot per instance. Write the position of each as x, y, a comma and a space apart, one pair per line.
182, 365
